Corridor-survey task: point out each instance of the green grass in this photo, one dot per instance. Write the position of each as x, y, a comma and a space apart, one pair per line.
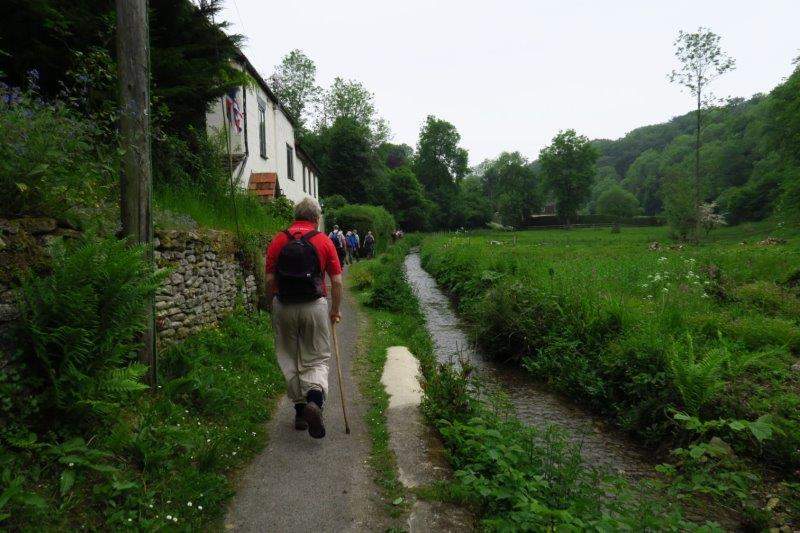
512, 477
710, 330
218, 211
384, 328
165, 462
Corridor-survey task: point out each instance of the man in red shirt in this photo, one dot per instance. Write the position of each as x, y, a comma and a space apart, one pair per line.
297, 261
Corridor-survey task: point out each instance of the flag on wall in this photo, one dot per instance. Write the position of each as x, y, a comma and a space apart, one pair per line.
233, 110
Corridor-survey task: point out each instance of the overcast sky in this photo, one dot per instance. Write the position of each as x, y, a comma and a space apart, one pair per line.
510, 74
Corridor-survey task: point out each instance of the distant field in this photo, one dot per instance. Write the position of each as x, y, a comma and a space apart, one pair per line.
710, 330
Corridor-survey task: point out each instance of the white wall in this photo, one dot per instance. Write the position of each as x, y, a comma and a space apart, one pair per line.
280, 132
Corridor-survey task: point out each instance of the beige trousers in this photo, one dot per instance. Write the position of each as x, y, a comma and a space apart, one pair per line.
302, 345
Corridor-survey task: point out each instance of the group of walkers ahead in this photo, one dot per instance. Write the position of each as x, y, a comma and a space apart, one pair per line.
349, 246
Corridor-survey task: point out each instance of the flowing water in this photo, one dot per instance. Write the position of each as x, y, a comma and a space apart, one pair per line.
600, 444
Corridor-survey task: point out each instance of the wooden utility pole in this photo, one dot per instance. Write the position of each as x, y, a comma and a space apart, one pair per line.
136, 186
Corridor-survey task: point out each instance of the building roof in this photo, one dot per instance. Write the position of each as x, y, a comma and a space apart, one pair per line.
253, 72
305, 157
288, 114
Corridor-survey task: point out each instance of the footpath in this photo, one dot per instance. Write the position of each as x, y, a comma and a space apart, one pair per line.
302, 484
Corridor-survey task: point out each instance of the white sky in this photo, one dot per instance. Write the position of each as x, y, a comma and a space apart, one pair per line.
510, 74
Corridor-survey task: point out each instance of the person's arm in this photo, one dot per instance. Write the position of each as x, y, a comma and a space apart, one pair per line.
270, 282
336, 297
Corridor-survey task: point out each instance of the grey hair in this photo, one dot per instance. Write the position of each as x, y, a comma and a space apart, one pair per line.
308, 209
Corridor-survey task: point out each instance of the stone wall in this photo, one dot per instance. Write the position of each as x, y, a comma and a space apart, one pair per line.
206, 281
207, 277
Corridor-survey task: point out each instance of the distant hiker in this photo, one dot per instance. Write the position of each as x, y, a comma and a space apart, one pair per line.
297, 260
347, 247
358, 243
369, 245
337, 237
352, 246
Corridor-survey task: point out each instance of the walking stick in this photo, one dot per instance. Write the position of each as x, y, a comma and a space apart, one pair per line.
339, 374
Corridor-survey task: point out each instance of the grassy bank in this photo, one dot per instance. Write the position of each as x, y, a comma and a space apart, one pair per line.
164, 460
688, 346
389, 322
512, 477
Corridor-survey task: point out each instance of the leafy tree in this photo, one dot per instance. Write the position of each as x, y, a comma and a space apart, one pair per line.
606, 178
70, 46
510, 183
408, 203
568, 167
294, 82
784, 113
475, 206
618, 202
702, 61
350, 99
440, 164
679, 206
395, 155
344, 155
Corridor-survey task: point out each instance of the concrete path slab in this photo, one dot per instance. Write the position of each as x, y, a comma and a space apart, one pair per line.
417, 450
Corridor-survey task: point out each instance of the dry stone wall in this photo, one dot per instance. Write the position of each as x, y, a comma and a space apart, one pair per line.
206, 281
207, 278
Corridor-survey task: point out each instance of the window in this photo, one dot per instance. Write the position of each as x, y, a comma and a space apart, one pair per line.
262, 128
290, 162
304, 178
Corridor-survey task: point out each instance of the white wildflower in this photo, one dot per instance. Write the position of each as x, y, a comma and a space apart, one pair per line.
200, 507
189, 504
169, 517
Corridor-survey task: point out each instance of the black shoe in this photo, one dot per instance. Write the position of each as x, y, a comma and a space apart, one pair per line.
300, 423
312, 415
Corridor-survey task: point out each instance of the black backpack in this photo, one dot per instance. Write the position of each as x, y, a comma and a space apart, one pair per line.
298, 272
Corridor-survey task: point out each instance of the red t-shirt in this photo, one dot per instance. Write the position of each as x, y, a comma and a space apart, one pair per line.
326, 252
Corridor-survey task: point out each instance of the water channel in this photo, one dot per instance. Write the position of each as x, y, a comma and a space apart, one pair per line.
601, 445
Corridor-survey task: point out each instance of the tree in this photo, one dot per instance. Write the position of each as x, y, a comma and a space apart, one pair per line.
439, 166
295, 83
568, 168
350, 99
395, 155
408, 203
475, 206
784, 115
344, 155
510, 183
606, 178
618, 202
679, 208
702, 61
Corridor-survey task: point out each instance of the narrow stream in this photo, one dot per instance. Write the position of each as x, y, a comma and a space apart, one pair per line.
600, 444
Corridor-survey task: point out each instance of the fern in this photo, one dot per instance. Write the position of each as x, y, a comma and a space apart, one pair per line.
80, 325
697, 378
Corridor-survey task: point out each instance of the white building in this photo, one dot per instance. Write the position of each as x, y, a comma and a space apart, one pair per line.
266, 158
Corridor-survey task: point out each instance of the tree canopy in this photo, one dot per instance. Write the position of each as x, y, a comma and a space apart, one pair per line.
568, 170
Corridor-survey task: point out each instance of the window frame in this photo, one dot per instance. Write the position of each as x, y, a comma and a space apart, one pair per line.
262, 129
290, 161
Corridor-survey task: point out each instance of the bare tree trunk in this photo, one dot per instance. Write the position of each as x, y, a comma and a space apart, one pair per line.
136, 186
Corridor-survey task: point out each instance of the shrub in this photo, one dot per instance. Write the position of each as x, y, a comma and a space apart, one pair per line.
50, 162
679, 208
79, 328
618, 202
366, 218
